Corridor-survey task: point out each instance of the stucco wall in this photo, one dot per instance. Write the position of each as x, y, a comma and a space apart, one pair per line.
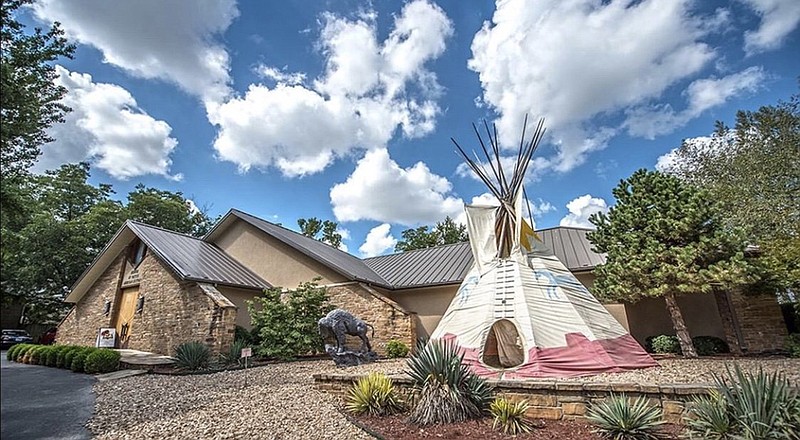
427, 304
649, 317
173, 312
239, 298
271, 259
390, 320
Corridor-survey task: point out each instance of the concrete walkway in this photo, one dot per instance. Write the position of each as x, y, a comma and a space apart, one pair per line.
143, 358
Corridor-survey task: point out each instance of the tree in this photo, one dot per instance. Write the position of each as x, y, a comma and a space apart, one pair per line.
30, 101
753, 170
313, 226
445, 232
286, 322
168, 210
665, 238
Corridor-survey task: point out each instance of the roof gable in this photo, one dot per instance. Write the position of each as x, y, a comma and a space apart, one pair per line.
189, 258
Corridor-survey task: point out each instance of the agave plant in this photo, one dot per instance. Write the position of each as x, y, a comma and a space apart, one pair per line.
510, 416
448, 391
192, 356
620, 418
708, 418
234, 354
374, 395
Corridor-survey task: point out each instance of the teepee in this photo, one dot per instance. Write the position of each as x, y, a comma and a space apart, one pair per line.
520, 312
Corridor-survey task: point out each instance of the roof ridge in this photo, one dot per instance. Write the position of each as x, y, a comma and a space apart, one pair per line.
137, 222
416, 250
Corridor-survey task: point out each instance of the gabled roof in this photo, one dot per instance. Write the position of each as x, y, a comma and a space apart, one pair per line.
438, 265
336, 259
190, 258
449, 264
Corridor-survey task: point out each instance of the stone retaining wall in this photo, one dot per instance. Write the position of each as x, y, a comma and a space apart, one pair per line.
552, 399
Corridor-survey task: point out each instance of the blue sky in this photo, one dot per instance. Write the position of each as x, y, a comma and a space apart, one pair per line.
344, 110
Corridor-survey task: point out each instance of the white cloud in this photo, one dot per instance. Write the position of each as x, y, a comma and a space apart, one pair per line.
536, 167
378, 241
538, 207
168, 40
778, 19
359, 101
107, 128
379, 189
581, 208
702, 95
574, 61
345, 236
702, 146
280, 75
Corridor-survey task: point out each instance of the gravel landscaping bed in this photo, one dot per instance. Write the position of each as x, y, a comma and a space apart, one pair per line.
279, 401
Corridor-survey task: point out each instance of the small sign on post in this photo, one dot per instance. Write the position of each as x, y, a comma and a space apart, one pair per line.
246, 354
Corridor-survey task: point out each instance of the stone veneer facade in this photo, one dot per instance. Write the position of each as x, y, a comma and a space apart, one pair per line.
174, 311
387, 317
760, 322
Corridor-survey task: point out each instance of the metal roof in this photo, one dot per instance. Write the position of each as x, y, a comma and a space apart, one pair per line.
194, 259
572, 247
449, 264
338, 260
446, 264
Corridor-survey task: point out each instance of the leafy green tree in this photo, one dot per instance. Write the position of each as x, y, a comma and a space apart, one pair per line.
753, 170
30, 101
312, 227
665, 238
445, 232
166, 209
286, 322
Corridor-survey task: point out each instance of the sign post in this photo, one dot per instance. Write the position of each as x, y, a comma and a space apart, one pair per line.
246, 353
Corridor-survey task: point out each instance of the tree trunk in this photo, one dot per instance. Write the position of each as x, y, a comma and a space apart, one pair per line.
680, 326
726, 315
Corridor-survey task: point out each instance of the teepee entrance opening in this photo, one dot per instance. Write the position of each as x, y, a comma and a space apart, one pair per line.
503, 347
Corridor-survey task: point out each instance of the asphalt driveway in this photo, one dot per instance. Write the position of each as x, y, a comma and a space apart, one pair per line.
43, 403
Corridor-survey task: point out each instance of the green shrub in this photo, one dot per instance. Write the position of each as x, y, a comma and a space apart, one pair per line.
35, 354
708, 345
192, 356
287, 323
448, 391
396, 349
102, 361
61, 355
622, 419
374, 395
510, 416
19, 355
793, 345
78, 361
663, 344
758, 406
50, 355
70, 355
12, 352
242, 334
234, 354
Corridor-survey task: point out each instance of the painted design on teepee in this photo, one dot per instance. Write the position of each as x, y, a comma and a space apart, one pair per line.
520, 312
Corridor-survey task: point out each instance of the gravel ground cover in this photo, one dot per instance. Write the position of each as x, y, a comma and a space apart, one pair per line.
279, 401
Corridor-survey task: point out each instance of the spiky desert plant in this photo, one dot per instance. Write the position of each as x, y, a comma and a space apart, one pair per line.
448, 391
620, 418
234, 354
510, 416
708, 418
192, 356
374, 395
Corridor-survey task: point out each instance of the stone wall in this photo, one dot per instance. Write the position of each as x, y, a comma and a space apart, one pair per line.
174, 312
760, 321
389, 319
552, 399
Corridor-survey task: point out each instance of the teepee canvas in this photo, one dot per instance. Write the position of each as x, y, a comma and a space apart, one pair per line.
520, 312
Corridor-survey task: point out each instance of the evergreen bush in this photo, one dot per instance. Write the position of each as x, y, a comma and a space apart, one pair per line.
101, 361
664, 344
793, 345
708, 345
78, 361
396, 349
69, 355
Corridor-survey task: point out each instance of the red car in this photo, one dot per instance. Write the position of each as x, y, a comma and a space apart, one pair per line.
48, 337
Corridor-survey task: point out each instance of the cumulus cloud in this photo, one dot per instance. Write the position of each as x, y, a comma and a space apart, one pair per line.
581, 208
572, 62
701, 94
537, 207
107, 128
280, 75
360, 100
378, 241
170, 40
778, 19
379, 189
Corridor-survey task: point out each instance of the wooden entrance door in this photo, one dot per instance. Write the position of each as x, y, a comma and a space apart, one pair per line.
125, 314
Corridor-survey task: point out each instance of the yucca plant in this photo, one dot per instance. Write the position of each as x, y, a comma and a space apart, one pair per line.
708, 418
619, 418
374, 395
510, 416
192, 356
448, 391
234, 354
761, 405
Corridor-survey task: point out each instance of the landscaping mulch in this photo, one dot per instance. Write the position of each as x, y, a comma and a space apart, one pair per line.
396, 428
